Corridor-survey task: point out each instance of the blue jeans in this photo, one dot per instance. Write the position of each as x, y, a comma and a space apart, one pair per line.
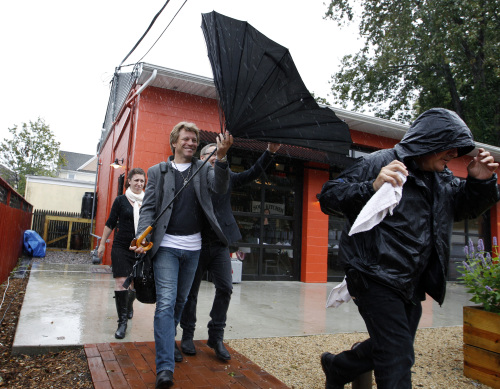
174, 273
214, 258
392, 323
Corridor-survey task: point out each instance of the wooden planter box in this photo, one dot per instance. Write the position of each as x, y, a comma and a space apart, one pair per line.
482, 346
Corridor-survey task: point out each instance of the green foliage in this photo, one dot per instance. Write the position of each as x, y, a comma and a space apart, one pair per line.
32, 150
320, 100
481, 275
420, 54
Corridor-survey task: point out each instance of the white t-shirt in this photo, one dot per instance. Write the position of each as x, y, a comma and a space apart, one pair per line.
183, 242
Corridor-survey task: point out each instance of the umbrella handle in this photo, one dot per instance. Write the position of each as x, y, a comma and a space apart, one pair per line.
148, 245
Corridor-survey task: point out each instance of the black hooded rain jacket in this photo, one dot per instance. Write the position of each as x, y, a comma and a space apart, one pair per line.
410, 249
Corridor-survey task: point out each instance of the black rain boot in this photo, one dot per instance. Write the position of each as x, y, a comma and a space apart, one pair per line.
121, 298
130, 304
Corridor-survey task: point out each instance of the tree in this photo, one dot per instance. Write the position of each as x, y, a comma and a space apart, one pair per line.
420, 54
32, 150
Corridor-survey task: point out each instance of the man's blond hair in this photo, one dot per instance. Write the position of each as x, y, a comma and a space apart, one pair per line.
174, 135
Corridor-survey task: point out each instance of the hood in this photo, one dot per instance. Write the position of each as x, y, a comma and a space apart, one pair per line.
436, 130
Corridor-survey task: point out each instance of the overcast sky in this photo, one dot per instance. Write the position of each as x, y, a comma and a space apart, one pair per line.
58, 57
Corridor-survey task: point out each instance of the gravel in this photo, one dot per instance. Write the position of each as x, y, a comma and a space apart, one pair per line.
296, 360
59, 256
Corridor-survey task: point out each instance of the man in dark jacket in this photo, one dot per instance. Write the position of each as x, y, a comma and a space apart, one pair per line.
215, 258
390, 267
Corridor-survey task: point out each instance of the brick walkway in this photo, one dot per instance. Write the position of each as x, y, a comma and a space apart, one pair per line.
132, 365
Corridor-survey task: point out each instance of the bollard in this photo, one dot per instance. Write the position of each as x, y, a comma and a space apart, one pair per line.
363, 381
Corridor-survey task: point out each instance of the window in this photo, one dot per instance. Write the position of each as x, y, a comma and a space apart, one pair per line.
266, 213
464, 230
3, 195
357, 151
15, 201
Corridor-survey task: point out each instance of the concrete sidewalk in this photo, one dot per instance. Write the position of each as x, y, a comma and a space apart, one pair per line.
73, 305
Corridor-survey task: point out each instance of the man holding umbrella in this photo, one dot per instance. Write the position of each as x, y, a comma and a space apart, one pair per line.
177, 235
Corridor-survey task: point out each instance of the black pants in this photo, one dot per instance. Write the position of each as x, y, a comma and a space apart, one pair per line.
214, 258
392, 323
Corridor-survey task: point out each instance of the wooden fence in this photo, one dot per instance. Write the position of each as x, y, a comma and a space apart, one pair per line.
63, 230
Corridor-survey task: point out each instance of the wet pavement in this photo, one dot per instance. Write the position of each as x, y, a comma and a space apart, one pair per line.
73, 305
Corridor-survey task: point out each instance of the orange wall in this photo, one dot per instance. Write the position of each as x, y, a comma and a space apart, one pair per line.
141, 137
314, 254
370, 140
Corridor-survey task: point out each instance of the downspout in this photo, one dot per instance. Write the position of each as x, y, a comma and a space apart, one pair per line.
95, 257
144, 86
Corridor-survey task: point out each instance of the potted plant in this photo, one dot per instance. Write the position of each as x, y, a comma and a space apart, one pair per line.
481, 275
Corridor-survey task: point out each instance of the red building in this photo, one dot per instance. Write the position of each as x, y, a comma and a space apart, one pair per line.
296, 241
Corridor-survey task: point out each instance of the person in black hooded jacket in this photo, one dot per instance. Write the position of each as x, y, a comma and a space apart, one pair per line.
391, 267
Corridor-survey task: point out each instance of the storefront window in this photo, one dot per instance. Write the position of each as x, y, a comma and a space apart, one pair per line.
335, 270
464, 230
335, 226
266, 213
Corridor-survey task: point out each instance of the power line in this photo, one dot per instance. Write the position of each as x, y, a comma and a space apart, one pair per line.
185, 1
145, 33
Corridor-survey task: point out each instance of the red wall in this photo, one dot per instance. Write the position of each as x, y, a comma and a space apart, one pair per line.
13, 223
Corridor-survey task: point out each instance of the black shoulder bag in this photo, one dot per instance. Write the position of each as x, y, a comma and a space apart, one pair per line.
142, 272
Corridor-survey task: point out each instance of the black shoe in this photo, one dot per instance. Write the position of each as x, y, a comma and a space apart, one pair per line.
177, 354
187, 346
164, 379
121, 301
332, 379
219, 348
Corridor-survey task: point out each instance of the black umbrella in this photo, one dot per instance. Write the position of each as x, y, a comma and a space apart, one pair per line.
260, 91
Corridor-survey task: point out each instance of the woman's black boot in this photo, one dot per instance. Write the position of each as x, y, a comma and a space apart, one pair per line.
121, 300
130, 304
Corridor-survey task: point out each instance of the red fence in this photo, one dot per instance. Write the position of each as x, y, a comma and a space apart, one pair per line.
15, 218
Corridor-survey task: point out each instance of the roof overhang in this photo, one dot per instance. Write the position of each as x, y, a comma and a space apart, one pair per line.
178, 81
204, 86
59, 181
394, 130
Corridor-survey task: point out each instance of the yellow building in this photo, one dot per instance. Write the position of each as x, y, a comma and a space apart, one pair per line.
65, 192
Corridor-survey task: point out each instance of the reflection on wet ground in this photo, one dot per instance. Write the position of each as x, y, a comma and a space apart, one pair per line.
69, 305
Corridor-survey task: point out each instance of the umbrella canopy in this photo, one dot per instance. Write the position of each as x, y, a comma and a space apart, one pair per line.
260, 91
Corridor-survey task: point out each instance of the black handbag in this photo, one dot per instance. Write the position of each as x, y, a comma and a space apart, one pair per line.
144, 280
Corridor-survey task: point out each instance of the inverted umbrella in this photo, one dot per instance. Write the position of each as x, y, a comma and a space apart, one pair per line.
261, 94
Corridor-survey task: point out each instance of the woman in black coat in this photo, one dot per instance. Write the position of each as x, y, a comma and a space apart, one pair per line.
124, 216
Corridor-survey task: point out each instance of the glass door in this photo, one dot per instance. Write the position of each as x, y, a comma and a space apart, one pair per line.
268, 212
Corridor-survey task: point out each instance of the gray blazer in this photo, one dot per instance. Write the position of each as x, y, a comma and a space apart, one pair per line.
206, 181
